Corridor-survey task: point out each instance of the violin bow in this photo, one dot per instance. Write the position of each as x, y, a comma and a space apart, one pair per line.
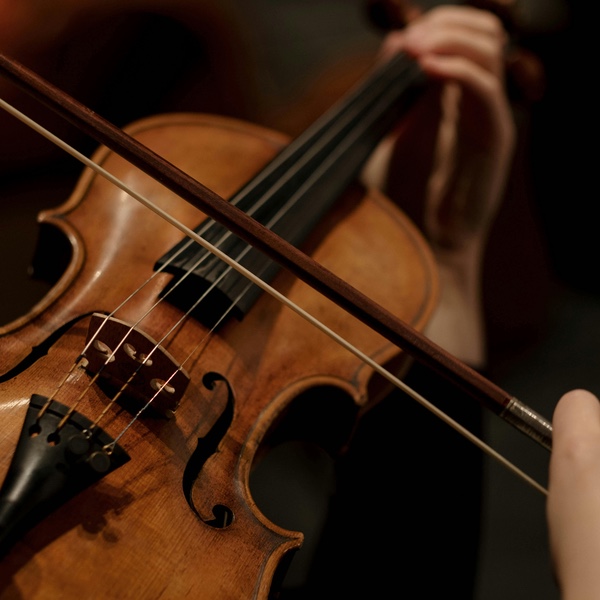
402, 335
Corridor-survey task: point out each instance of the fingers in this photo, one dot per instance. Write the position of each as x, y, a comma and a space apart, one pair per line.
576, 416
575, 459
464, 45
576, 439
574, 494
475, 35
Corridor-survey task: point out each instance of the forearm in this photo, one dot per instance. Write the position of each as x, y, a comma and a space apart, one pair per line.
460, 201
457, 325
463, 198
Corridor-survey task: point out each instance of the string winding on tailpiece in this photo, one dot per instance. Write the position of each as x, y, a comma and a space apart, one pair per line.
75, 459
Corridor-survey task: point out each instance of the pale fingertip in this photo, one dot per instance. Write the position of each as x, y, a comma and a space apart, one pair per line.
576, 410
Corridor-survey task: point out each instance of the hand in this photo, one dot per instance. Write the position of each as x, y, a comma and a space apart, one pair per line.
471, 147
573, 507
450, 159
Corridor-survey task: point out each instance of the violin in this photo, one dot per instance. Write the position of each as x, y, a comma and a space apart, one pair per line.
161, 402
226, 390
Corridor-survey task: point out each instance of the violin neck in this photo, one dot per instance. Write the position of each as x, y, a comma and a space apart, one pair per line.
293, 192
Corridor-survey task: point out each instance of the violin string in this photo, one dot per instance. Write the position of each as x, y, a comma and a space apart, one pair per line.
111, 446
350, 117
286, 254
148, 356
324, 166
324, 130
333, 127
158, 344
374, 98
278, 296
94, 337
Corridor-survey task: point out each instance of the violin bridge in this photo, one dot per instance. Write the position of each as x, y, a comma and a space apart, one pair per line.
128, 359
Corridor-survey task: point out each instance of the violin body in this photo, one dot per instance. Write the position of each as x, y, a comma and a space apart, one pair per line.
170, 523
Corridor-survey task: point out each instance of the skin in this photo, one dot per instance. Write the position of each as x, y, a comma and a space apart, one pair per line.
458, 141
459, 181
574, 495
462, 48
